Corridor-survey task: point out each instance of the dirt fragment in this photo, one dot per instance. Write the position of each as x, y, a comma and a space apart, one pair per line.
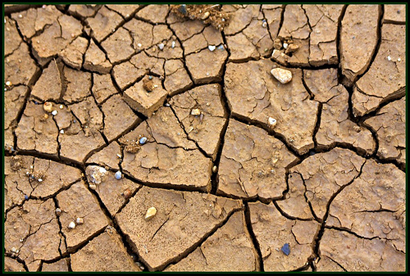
103, 23
295, 203
167, 150
49, 43
357, 50
394, 13
49, 85
229, 249
118, 117
252, 163
12, 265
272, 231
206, 131
105, 252
35, 224
206, 66
103, 87
142, 100
75, 202
13, 103
118, 46
124, 10
356, 254
335, 126
373, 205
154, 13
389, 124
73, 54
325, 173
183, 219
34, 133
262, 96
112, 191
58, 266
177, 78
78, 85
139, 65
95, 60
35, 20
84, 10
385, 78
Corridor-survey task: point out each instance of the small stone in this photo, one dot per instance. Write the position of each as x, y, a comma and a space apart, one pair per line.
61, 106
139, 45
14, 250
272, 122
277, 44
388, 58
8, 83
20, 16
285, 45
40, 180
62, 131
92, 186
25, 197
291, 48
205, 16
286, 249
282, 75
21, 240
211, 48
399, 59
357, 128
54, 113
221, 47
161, 46
58, 211
79, 221
48, 107
143, 140
118, 175
151, 212
173, 44
195, 112
182, 9
71, 225
127, 193
214, 169
264, 24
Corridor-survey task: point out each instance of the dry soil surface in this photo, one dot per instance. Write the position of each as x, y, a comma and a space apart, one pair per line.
158, 138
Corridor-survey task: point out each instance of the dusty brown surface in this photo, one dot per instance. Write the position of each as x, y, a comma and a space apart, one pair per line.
158, 138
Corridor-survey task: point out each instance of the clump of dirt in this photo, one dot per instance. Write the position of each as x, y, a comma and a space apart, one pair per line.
207, 13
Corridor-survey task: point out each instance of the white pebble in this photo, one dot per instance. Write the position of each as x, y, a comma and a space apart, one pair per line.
20, 16
151, 212
398, 59
282, 75
272, 121
211, 48
173, 44
388, 58
79, 220
61, 106
71, 225
139, 45
62, 131
161, 46
40, 180
118, 175
195, 112
285, 45
54, 113
8, 83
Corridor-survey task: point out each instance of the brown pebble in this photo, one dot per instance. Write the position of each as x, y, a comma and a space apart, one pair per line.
127, 193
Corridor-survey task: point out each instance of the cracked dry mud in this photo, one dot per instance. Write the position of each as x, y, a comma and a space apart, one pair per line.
111, 110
